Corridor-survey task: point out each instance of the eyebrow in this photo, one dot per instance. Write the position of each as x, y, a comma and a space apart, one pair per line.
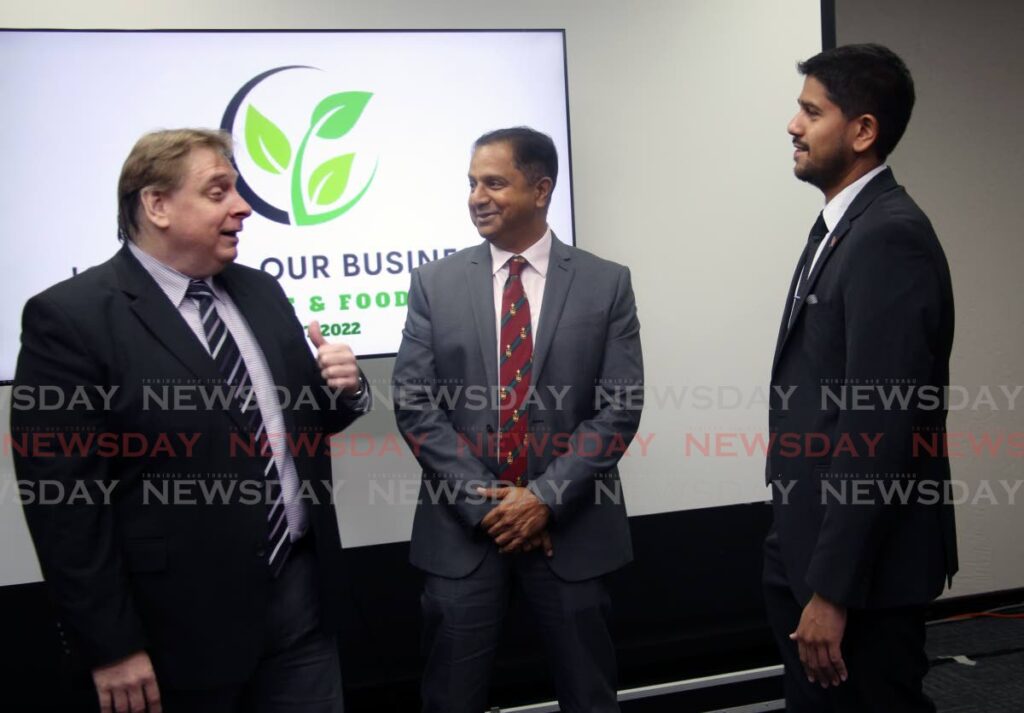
221, 177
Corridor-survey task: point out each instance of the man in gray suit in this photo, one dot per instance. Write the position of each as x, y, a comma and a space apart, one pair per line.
519, 383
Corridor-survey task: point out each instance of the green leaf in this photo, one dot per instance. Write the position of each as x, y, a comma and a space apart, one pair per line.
329, 179
339, 113
266, 143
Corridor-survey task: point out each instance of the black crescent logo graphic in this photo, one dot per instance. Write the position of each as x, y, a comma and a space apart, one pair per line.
227, 124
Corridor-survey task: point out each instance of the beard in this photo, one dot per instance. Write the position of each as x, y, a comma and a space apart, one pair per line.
824, 171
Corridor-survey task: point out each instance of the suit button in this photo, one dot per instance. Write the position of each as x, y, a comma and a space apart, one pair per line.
260, 552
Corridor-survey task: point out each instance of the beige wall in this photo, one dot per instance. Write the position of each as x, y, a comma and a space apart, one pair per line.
963, 161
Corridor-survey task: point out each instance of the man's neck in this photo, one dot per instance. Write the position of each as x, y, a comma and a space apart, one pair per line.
519, 244
857, 170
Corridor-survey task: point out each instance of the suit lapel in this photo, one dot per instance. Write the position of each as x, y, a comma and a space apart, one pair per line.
480, 279
878, 185
161, 318
780, 340
556, 289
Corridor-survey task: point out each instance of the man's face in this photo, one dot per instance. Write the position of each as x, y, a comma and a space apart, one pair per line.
204, 215
823, 138
503, 205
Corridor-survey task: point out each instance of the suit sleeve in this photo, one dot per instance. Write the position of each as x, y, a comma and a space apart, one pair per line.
74, 537
438, 447
600, 441
337, 411
892, 308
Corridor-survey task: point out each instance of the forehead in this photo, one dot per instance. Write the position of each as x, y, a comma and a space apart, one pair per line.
814, 92
496, 158
204, 164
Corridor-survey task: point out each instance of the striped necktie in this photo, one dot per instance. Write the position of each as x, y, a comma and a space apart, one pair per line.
514, 374
229, 362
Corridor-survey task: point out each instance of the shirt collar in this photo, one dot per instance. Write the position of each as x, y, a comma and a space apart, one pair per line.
836, 208
173, 283
537, 255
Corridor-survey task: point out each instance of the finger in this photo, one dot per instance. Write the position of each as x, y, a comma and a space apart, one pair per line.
822, 666
512, 546
120, 700
152, 691
545, 541
315, 335
836, 663
136, 699
836, 656
805, 661
106, 703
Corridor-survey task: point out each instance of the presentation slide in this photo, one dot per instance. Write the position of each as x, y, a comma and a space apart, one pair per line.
351, 148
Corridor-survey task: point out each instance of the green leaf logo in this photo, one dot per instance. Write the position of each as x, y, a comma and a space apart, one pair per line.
337, 114
332, 118
267, 144
329, 180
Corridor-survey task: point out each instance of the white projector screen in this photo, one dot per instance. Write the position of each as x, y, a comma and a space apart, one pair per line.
351, 147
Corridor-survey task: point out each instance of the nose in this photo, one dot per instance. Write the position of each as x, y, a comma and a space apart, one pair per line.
241, 208
795, 128
477, 195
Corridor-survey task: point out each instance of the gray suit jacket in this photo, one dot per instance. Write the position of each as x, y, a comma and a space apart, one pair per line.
583, 411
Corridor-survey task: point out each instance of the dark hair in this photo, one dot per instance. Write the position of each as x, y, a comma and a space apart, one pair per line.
534, 152
867, 79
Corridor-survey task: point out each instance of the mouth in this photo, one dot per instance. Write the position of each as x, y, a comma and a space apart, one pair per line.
799, 149
231, 233
484, 217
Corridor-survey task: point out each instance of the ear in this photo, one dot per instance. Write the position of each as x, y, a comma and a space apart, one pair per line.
865, 133
153, 207
543, 189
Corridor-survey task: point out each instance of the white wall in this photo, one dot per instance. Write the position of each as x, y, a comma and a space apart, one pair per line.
682, 170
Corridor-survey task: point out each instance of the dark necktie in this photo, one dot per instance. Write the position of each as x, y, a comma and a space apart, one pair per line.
515, 364
228, 358
818, 231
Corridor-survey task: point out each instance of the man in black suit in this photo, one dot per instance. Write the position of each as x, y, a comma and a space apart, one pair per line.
538, 346
201, 572
863, 536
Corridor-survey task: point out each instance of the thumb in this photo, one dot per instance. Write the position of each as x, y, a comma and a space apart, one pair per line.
315, 335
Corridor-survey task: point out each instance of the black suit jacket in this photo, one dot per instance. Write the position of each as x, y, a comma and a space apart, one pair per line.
863, 525
157, 567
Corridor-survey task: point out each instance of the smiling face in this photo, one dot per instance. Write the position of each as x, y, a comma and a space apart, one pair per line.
824, 139
506, 208
195, 226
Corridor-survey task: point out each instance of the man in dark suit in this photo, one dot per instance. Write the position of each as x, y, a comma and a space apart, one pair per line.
202, 572
519, 384
863, 536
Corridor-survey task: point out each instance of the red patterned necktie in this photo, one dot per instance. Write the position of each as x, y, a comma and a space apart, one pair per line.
515, 364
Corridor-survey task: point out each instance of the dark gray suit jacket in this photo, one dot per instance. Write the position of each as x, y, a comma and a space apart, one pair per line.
859, 524
587, 399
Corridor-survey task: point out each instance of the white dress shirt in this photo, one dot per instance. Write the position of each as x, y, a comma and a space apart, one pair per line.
836, 208
534, 277
174, 284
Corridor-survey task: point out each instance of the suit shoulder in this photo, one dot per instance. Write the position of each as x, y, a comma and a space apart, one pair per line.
449, 263
81, 290
244, 273
589, 261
